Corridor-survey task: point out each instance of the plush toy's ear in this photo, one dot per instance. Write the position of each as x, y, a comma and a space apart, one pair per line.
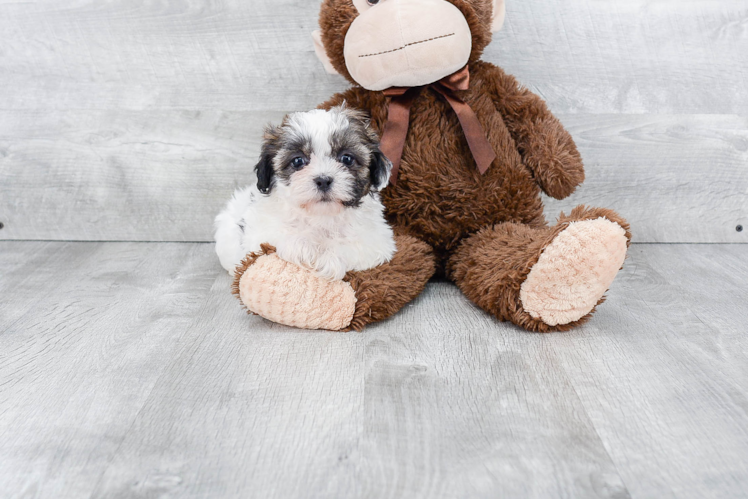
499, 13
319, 49
379, 170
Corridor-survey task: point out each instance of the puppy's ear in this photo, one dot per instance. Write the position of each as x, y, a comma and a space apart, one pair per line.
379, 170
356, 116
265, 170
265, 174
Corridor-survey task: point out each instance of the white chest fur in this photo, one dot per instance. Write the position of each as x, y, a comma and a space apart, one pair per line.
332, 243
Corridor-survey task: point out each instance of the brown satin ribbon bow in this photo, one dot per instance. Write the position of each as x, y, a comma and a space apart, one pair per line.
398, 117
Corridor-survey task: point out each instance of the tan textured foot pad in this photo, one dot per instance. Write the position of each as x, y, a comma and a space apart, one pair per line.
291, 295
574, 271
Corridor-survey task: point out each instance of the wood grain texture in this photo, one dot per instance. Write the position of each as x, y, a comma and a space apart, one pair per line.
123, 175
164, 175
250, 409
459, 405
675, 178
636, 56
134, 121
83, 338
663, 371
296, 414
128, 369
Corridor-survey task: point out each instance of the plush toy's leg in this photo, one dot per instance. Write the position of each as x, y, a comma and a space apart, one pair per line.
288, 294
543, 279
384, 290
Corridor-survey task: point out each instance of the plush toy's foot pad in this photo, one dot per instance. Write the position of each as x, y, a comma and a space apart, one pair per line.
291, 295
574, 271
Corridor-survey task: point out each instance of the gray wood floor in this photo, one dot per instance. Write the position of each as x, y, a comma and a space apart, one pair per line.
127, 369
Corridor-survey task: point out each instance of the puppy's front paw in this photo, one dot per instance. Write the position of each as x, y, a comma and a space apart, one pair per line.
290, 295
330, 267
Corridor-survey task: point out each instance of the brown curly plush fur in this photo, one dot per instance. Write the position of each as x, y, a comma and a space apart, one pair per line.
440, 196
384, 290
486, 231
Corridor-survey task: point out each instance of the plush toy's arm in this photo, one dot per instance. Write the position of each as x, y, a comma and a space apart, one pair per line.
546, 147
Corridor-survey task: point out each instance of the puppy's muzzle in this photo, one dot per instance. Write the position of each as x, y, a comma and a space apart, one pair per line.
324, 183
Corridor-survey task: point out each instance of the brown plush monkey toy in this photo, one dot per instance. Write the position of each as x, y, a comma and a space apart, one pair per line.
472, 150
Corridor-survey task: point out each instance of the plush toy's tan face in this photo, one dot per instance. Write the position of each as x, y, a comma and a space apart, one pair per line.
403, 43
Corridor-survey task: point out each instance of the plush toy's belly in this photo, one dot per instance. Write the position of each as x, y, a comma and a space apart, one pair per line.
440, 196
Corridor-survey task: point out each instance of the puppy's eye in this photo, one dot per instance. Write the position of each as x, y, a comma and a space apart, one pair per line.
298, 163
372, 2
347, 160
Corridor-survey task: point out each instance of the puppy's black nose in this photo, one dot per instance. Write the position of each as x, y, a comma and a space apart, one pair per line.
323, 183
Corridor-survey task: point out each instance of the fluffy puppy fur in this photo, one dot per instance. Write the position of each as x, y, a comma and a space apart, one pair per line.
316, 198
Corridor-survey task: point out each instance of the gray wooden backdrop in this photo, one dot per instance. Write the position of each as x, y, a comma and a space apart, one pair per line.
135, 120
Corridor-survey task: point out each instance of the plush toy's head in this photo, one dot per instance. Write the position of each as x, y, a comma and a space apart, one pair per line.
403, 43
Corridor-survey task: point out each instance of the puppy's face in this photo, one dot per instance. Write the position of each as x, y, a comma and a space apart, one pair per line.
322, 161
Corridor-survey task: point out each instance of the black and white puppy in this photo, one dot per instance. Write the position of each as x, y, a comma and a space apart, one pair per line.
316, 198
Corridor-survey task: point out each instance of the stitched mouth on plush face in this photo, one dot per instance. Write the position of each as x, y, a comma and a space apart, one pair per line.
407, 45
